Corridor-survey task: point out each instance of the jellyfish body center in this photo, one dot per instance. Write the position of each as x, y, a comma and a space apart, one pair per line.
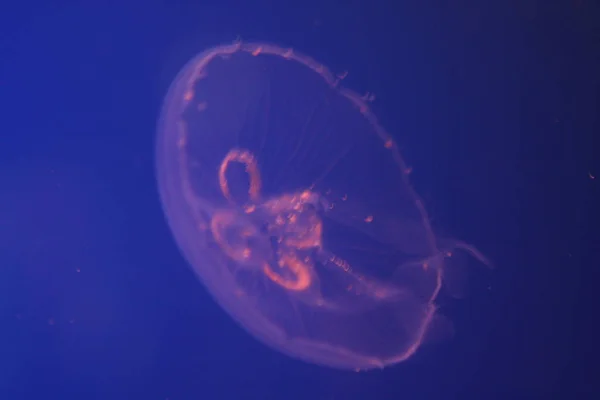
291, 228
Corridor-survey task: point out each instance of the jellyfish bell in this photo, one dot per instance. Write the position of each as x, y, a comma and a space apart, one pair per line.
293, 207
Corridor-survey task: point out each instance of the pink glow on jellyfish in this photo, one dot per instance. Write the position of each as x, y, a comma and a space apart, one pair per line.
293, 206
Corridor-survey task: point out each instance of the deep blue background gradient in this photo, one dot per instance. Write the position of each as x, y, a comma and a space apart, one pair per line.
494, 104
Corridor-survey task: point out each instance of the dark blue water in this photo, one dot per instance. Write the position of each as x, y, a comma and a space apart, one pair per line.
495, 106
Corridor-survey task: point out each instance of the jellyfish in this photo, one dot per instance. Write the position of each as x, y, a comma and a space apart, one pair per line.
293, 206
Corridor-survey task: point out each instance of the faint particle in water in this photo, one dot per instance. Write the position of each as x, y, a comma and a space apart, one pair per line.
292, 205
